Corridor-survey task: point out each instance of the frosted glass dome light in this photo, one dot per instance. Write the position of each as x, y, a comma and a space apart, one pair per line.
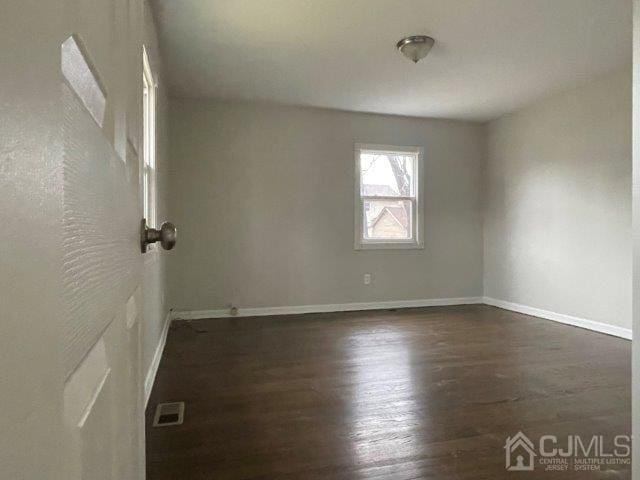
416, 47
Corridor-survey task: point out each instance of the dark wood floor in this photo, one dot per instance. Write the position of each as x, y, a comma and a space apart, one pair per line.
427, 393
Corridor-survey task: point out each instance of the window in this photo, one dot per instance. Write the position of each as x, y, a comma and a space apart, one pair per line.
388, 197
148, 142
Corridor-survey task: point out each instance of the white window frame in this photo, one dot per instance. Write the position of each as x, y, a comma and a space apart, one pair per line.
148, 164
417, 240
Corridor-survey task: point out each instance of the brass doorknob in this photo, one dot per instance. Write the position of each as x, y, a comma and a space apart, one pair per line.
167, 235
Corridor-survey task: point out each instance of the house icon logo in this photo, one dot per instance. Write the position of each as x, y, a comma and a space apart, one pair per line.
519, 453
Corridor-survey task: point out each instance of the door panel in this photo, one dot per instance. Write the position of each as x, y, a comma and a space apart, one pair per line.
102, 263
31, 378
101, 257
71, 384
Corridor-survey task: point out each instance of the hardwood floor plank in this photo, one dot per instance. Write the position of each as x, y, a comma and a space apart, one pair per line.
428, 393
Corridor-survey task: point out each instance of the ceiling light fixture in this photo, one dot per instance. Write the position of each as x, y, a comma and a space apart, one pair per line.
416, 47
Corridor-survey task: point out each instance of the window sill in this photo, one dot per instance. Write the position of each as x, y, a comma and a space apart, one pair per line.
389, 246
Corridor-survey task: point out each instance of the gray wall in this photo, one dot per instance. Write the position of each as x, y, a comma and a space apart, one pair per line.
557, 216
635, 391
263, 199
155, 307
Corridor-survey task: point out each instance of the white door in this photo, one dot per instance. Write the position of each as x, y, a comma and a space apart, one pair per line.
70, 260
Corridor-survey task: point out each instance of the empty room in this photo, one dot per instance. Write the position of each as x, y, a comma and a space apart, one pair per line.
319, 239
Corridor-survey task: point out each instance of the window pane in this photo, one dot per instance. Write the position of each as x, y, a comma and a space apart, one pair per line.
146, 124
145, 196
387, 219
386, 174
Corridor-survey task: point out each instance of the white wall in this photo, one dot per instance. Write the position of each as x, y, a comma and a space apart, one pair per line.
263, 200
557, 206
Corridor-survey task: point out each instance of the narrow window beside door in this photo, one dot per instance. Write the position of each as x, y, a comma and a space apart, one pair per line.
388, 197
149, 142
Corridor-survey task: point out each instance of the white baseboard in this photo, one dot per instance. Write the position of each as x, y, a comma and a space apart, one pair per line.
561, 318
339, 307
155, 363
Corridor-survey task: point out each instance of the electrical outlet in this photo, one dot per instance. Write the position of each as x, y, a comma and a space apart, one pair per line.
367, 279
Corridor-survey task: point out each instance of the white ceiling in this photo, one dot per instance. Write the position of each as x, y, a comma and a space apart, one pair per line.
490, 56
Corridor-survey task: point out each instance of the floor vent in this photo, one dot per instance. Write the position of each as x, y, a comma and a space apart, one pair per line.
168, 414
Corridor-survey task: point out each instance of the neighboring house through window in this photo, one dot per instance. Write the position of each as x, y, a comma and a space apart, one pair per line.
388, 197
